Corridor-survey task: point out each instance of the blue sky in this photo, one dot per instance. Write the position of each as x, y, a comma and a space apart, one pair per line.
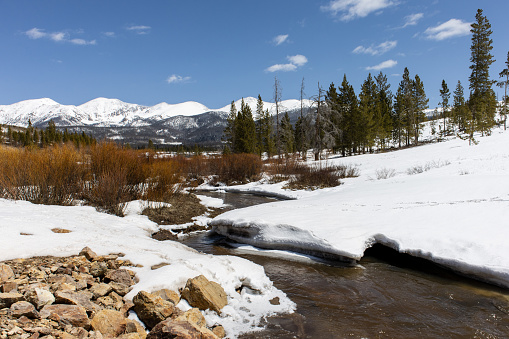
147, 52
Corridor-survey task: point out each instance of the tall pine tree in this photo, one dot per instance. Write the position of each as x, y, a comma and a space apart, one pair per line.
445, 94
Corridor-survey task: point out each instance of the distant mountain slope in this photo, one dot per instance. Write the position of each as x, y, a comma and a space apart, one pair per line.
188, 122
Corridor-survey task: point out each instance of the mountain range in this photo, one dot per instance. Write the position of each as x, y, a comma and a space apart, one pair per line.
184, 123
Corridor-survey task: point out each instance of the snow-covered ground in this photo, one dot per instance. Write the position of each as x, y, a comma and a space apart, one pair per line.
447, 202
25, 231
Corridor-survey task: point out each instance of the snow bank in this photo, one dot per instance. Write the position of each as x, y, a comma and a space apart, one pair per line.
455, 212
25, 231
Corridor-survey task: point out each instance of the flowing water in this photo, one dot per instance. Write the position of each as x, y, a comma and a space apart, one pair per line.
388, 295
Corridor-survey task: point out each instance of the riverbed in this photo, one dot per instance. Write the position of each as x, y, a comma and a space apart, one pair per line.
387, 295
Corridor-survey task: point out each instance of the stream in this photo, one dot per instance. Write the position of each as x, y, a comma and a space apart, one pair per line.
388, 295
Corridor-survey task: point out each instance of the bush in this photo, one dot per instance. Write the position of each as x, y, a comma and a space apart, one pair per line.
236, 168
314, 177
385, 173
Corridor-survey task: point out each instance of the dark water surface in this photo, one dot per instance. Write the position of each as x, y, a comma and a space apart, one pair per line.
387, 296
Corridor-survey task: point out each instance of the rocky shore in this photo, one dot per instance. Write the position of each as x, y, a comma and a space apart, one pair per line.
83, 297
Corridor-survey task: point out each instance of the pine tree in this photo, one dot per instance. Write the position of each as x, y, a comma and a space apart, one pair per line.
459, 108
370, 117
420, 104
384, 109
300, 138
277, 102
287, 135
482, 97
245, 130
505, 83
445, 95
348, 118
229, 131
404, 115
259, 125
325, 131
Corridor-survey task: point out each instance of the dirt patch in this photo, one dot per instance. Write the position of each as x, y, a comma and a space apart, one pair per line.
162, 235
184, 207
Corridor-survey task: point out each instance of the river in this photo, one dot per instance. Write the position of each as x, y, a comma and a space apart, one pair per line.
388, 295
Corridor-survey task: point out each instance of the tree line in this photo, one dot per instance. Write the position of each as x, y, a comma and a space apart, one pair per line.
375, 119
32, 136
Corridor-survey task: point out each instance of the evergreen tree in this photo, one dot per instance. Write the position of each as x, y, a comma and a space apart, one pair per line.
277, 103
245, 130
505, 83
459, 108
419, 105
369, 115
259, 125
404, 115
384, 109
325, 131
300, 138
445, 95
482, 97
287, 135
348, 118
229, 131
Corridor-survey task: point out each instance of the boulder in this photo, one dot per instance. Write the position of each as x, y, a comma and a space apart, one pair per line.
81, 298
7, 299
134, 327
100, 290
24, 308
88, 253
193, 316
171, 328
119, 288
109, 323
219, 331
120, 276
6, 273
98, 269
66, 314
168, 295
40, 296
204, 294
9, 286
152, 309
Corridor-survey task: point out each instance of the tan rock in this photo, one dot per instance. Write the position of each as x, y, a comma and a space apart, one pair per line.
100, 290
171, 328
204, 294
219, 331
152, 309
130, 336
98, 269
194, 316
6, 273
81, 298
88, 253
40, 296
120, 276
133, 326
168, 295
9, 286
109, 323
119, 288
66, 314
7, 299
24, 308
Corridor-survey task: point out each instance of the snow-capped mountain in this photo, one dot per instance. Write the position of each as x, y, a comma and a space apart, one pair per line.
188, 122
103, 112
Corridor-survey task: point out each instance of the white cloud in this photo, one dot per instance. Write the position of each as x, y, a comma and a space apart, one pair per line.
109, 34
295, 62
413, 19
351, 9
383, 65
278, 40
174, 78
282, 67
36, 33
82, 42
139, 29
450, 29
376, 50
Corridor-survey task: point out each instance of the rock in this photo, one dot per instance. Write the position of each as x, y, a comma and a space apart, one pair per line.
67, 287
7, 299
120, 276
157, 266
100, 290
130, 336
24, 308
88, 253
128, 305
66, 314
133, 326
168, 295
98, 269
152, 309
40, 297
81, 298
6, 273
109, 323
194, 316
9, 286
171, 328
204, 294
274, 301
119, 288
219, 331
